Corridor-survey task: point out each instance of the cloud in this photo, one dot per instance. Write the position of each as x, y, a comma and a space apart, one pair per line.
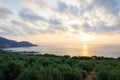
68, 9
99, 17
54, 21
55, 25
24, 27
34, 3
4, 12
28, 15
9, 30
112, 6
43, 16
62, 6
103, 29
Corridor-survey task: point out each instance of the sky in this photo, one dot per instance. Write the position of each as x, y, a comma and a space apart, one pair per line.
61, 21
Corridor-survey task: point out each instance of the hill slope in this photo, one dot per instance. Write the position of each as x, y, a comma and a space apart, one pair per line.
6, 43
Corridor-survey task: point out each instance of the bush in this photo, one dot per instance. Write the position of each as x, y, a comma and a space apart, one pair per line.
14, 66
11, 71
103, 74
114, 75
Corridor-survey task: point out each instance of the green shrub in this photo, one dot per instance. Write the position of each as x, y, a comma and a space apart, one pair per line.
114, 75
103, 74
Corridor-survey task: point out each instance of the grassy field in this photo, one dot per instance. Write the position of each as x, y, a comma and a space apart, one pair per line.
16, 66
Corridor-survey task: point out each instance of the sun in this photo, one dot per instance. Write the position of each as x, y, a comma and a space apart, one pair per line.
85, 37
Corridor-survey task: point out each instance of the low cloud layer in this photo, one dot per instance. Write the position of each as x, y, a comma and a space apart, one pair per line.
67, 16
4, 12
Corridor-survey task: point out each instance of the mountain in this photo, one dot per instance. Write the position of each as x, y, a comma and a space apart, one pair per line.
6, 43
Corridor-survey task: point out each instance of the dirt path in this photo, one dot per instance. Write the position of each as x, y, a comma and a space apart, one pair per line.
90, 75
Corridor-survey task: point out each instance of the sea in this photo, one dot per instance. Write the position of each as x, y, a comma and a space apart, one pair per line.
106, 50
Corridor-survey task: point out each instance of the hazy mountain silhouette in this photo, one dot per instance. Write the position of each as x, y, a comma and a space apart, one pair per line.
7, 43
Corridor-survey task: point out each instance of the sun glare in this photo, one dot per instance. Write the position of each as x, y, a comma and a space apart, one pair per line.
85, 50
85, 37
85, 46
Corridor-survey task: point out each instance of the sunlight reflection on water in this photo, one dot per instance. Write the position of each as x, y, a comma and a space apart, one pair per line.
85, 50
75, 50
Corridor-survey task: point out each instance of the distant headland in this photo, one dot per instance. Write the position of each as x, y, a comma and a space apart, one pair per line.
7, 43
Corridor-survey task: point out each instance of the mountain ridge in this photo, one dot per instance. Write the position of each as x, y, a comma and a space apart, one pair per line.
8, 43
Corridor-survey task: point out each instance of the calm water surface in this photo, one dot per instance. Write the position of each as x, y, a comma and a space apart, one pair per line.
74, 50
